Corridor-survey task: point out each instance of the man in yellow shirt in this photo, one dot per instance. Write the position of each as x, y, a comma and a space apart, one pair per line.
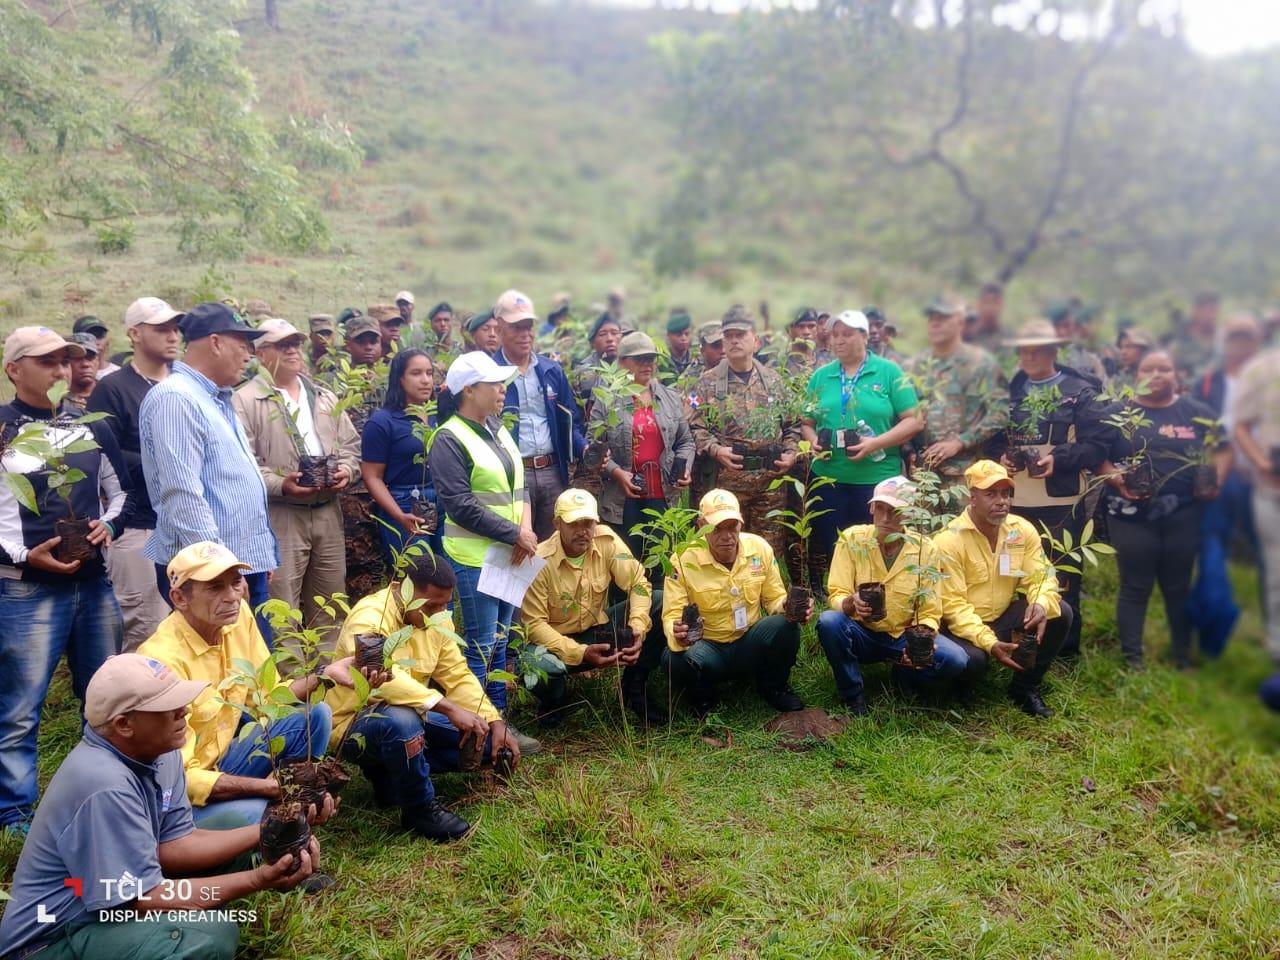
883, 552
565, 610
228, 777
431, 713
990, 555
735, 582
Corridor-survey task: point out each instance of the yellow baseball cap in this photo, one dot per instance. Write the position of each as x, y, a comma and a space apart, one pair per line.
201, 561
717, 506
574, 505
985, 474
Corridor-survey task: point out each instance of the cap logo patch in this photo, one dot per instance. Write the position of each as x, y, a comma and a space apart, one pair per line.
158, 669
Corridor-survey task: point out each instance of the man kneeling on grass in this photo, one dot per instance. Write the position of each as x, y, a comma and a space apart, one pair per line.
740, 632
228, 775
114, 829
852, 632
431, 712
988, 555
565, 610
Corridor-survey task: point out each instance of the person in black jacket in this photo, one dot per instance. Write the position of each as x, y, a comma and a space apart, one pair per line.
50, 603
1157, 535
1057, 436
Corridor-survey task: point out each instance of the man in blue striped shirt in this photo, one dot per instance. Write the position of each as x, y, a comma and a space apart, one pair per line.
200, 470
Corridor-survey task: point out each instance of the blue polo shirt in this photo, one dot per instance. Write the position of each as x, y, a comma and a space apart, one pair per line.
103, 817
878, 394
388, 439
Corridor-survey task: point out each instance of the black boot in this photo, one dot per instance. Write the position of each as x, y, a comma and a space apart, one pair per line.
636, 698
781, 698
1030, 702
434, 821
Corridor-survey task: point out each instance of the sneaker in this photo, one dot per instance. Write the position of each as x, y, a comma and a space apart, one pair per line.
316, 883
18, 829
640, 702
1031, 703
528, 745
783, 698
434, 821
856, 705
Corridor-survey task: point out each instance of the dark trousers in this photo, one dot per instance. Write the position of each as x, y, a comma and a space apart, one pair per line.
847, 504
1147, 553
258, 595
1055, 634
765, 654
552, 689
1058, 519
544, 486
396, 743
633, 512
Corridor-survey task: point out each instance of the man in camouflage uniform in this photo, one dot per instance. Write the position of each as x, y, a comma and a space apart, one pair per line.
678, 357
963, 392
323, 332
1075, 354
710, 353
738, 399
1194, 340
986, 332
802, 350
879, 339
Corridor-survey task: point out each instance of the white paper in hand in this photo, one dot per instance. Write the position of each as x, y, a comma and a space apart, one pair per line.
503, 580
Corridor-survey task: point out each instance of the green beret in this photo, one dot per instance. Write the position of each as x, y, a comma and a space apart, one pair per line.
679, 322
347, 313
479, 320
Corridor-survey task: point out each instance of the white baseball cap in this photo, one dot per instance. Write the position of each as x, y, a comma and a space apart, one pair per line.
275, 330
129, 681
476, 367
150, 310
406, 296
854, 319
894, 492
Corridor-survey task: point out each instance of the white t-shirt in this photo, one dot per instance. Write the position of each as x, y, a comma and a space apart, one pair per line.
300, 410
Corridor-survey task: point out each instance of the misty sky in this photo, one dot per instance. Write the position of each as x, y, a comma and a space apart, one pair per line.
1213, 27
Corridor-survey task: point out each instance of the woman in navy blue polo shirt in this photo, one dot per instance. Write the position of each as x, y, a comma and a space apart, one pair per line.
863, 410
393, 462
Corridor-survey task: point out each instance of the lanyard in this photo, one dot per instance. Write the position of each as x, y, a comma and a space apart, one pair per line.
847, 385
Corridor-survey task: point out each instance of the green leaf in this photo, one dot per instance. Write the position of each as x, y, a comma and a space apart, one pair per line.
22, 490
501, 676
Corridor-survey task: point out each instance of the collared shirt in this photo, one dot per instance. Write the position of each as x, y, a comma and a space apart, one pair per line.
964, 397
428, 660
534, 435
570, 596
879, 395
201, 472
857, 559
980, 582
754, 584
211, 724
102, 817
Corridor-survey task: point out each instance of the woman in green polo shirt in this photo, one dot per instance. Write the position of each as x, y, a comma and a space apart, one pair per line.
863, 409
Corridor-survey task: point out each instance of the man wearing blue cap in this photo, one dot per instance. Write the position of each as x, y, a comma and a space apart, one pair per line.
200, 470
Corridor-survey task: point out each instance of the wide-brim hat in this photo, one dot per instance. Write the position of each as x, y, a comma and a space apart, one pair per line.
1036, 333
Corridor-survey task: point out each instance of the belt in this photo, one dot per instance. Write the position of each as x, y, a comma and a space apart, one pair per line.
309, 506
540, 461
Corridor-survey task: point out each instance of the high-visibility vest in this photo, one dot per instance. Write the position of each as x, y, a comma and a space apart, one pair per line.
490, 486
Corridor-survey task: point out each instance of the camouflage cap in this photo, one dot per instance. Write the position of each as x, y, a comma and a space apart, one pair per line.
710, 332
360, 324
944, 304
322, 323
385, 312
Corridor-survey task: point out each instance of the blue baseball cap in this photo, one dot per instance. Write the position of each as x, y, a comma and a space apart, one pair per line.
206, 319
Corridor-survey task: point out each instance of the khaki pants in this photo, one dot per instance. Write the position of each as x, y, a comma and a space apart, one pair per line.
134, 578
313, 560
1266, 517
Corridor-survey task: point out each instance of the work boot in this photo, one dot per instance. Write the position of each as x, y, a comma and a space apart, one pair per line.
434, 821
782, 698
646, 707
528, 745
1030, 702
703, 700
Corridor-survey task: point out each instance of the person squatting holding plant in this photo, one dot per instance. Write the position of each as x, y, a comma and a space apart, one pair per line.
289, 422
429, 710
853, 632
988, 555
117, 808
1156, 530
650, 457
55, 596
567, 611
394, 461
228, 775
738, 630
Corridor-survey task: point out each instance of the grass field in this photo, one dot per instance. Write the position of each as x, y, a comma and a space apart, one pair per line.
1140, 822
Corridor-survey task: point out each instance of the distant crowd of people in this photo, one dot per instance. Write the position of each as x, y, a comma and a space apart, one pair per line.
686, 498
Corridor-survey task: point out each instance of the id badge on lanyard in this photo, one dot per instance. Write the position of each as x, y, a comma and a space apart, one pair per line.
739, 609
848, 385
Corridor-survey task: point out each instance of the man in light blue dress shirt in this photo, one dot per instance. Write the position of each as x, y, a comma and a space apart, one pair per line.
200, 470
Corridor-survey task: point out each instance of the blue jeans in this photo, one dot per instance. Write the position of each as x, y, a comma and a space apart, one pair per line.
248, 758
259, 594
848, 504
41, 622
393, 535
486, 625
398, 743
848, 644
1211, 606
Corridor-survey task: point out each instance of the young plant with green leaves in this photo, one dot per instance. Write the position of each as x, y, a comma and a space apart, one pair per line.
800, 523
931, 507
612, 391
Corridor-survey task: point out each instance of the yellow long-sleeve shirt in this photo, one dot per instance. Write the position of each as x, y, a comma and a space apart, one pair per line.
857, 559
754, 583
436, 659
211, 725
566, 599
981, 582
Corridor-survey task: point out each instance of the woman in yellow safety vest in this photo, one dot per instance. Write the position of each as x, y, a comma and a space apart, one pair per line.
479, 480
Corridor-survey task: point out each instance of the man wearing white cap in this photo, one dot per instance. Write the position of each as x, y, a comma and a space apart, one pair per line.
884, 552
479, 479
55, 596
290, 423
405, 303
548, 428
211, 628
152, 328
116, 819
